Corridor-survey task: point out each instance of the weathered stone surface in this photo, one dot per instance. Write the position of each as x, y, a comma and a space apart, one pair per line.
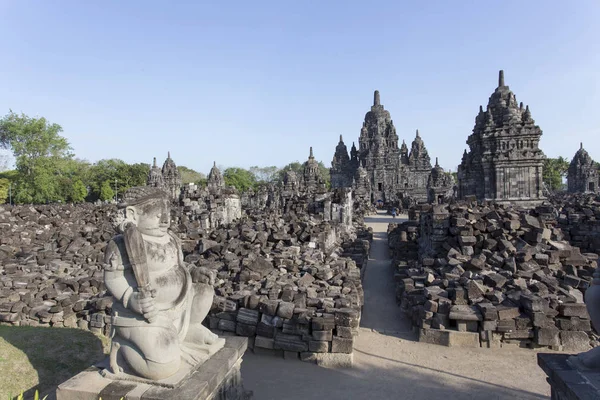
503, 150
396, 171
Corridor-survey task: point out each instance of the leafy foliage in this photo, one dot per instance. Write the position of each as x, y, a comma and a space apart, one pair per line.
188, 175
46, 170
239, 178
555, 169
106, 192
4, 190
79, 192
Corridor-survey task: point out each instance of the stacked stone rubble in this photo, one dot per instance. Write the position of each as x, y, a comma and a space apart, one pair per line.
492, 276
51, 271
299, 273
290, 284
578, 216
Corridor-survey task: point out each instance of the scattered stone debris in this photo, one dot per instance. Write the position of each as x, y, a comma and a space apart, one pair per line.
51, 259
290, 278
492, 276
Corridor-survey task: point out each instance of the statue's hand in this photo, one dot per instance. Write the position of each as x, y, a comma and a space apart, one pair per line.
143, 305
203, 275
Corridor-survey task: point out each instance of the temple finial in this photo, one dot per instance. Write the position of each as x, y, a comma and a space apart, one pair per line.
521, 105
580, 145
501, 79
341, 139
168, 154
154, 163
376, 100
418, 133
214, 164
480, 108
436, 162
311, 153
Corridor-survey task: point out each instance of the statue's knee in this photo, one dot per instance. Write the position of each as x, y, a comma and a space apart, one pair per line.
204, 291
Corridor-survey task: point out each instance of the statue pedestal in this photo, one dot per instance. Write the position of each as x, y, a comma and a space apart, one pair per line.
218, 378
566, 380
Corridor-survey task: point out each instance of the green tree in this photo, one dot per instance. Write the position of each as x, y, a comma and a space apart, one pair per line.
4, 190
106, 192
188, 175
239, 178
554, 170
40, 155
79, 192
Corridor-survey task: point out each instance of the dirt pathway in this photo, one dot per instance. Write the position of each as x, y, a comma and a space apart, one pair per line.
380, 312
389, 364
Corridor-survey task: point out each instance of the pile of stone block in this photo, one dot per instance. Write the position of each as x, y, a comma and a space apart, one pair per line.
51, 265
492, 276
296, 274
291, 284
578, 215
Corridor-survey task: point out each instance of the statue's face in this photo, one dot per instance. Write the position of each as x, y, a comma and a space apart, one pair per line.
152, 219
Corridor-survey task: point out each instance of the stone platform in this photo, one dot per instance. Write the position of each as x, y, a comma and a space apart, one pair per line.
567, 381
218, 378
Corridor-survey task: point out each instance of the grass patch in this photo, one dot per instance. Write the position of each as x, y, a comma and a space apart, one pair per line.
34, 358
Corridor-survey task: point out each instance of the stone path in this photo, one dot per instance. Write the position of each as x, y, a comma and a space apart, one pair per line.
389, 364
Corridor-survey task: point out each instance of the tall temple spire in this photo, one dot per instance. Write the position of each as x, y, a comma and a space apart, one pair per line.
501, 79
376, 99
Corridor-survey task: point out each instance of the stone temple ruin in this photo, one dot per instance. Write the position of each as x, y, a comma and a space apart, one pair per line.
583, 173
381, 170
504, 162
167, 178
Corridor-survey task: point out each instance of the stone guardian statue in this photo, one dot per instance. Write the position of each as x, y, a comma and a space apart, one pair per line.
160, 302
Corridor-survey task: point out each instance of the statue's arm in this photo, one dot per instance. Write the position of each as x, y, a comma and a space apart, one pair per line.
114, 273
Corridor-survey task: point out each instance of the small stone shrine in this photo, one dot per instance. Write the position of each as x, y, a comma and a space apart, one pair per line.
504, 162
583, 173
167, 178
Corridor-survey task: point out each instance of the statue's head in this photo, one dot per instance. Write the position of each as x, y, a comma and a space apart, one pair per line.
148, 208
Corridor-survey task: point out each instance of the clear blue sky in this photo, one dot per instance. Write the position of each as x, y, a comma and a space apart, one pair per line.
249, 83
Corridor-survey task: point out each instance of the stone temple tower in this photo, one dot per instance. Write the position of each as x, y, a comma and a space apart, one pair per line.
504, 162
392, 172
378, 150
155, 177
583, 173
171, 177
215, 180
